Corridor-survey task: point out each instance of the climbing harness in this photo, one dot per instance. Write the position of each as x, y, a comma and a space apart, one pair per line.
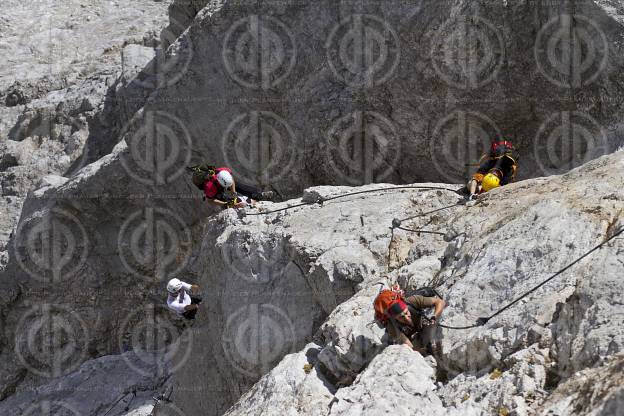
231, 199
320, 200
484, 320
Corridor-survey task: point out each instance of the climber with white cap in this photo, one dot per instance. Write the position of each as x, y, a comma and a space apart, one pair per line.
183, 298
221, 189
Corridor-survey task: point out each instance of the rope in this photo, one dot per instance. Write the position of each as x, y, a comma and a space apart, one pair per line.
458, 327
389, 250
396, 223
131, 400
420, 231
115, 404
434, 211
390, 189
322, 200
484, 320
280, 210
160, 398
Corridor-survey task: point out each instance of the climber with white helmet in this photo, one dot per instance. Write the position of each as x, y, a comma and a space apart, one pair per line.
183, 298
221, 189
496, 169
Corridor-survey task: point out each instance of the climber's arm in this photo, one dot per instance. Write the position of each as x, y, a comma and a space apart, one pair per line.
402, 339
217, 202
439, 305
397, 336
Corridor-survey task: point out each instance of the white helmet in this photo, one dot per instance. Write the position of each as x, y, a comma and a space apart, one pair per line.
225, 179
174, 285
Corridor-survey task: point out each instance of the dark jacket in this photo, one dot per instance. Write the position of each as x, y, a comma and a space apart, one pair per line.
416, 304
506, 164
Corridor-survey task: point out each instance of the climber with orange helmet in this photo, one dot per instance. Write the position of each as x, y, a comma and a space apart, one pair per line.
221, 189
404, 317
497, 168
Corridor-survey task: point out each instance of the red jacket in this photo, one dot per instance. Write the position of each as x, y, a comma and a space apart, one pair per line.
212, 187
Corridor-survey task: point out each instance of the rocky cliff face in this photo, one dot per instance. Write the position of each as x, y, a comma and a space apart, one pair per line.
287, 322
296, 94
527, 360
66, 87
286, 325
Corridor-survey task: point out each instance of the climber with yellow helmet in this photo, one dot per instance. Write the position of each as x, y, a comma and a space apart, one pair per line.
497, 168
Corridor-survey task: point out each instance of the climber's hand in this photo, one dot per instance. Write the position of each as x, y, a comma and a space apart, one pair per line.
431, 321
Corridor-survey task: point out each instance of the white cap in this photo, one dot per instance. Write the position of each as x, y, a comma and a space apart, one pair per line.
225, 179
174, 285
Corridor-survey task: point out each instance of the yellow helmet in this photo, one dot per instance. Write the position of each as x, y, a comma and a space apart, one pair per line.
490, 181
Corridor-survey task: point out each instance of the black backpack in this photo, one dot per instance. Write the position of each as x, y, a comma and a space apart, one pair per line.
427, 292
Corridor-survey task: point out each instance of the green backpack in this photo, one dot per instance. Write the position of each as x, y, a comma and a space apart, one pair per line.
201, 173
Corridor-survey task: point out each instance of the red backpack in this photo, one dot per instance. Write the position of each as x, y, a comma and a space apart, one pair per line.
382, 302
387, 297
501, 147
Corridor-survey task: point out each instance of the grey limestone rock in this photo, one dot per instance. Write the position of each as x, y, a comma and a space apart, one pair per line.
286, 326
